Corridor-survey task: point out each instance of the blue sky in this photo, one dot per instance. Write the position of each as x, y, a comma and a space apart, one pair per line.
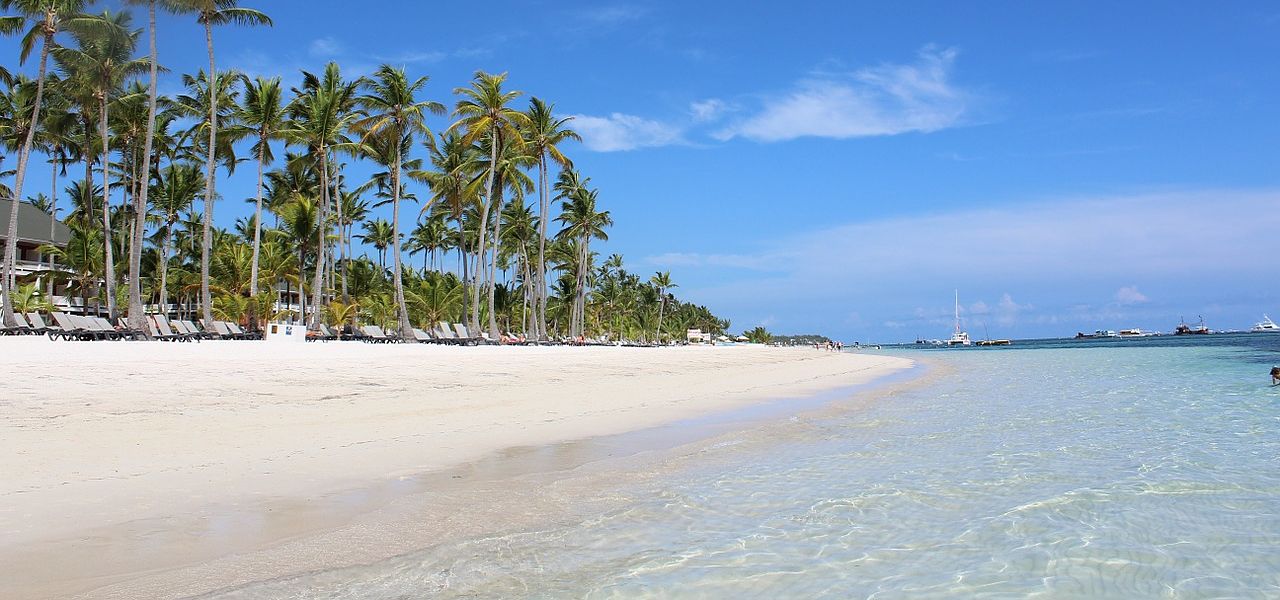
843, 167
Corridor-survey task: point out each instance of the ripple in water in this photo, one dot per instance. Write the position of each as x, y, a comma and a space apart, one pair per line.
1118, 472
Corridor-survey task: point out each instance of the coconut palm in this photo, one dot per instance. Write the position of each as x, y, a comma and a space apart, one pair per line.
428, 237
208, 14
394, 112
319, 119
176, 188
543, 134
47, 18
662, 281
57, 141
262, 113
453, 161
101, 61
508, 175
485, 112
379, 234
582, 223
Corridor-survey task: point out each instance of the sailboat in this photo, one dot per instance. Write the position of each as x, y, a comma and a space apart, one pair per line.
987, 341
959, 338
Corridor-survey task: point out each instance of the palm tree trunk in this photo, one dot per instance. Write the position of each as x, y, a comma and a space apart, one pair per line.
257, 220
402, 311
495, 140
136, 316
109, 261
662, 303
11, 240
540, 289
322, 229
164, 269
206, 244
493, 264
53, 216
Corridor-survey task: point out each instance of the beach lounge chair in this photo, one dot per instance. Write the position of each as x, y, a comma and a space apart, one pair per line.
240, 333
101, 328
123, 330
181, 328
158, 328
67, 328
423, 337
176, 330
464, 336
37, 324
21, 328
375, 335
192, 329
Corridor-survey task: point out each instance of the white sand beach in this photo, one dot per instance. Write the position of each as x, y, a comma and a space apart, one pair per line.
122, 459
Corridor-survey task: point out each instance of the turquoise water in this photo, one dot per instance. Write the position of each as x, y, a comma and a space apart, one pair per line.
1143, 469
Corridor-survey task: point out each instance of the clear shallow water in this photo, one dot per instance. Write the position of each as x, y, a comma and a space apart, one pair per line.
1142, 469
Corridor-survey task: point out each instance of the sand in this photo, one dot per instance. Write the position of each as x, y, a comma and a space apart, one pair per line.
121, 460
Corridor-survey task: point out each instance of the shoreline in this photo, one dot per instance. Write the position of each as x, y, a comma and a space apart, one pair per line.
187, 541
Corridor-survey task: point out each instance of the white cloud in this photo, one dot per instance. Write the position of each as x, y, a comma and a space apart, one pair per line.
325, 47
1129, 295
884, 100
707, 110
624, 132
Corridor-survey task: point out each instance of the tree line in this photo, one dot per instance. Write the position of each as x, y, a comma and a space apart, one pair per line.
484, 190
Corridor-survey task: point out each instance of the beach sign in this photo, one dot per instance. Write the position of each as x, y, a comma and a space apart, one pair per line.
285, 333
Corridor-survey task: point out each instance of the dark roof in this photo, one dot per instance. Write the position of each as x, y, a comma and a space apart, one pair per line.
33, 225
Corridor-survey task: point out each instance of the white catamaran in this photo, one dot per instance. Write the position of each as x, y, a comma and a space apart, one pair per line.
959, 338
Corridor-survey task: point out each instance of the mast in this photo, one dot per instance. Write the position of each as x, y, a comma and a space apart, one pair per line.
957, 312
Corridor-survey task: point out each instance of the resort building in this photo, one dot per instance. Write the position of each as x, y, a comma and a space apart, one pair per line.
37, 228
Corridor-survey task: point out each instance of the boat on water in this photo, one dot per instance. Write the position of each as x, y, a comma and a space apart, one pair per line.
1184, 329
1266, 326
993, 342
1101, 333
1135, 332
959, 337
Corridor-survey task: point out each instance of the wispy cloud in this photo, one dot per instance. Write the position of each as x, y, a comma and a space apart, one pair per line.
1129, 295
707, 110
883, 100
325, 47
610, 14
619, 131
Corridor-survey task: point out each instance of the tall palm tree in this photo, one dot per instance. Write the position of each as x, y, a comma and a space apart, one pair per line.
392, 110
47, 18
485, 112
319, 119
262, 112
583, 223
662, 281
430, 236
208, 14
176, 188
136, 317
101, 61
453, 161
57, 140
543, 135
509, 174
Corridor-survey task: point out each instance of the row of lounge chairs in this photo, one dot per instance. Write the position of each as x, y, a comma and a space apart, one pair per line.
66, 326
444, 333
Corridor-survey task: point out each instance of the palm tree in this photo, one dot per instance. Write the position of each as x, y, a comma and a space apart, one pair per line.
262, 111
508, 174
209, 13
102, 61
582, 223
662, 281
453, 160
136, 317
48, 17
484, 112
394, 112
319, 118
428, 237
177, 186
543, 134
379, 234
57, 141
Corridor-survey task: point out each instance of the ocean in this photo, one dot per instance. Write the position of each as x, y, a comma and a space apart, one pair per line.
1056, 468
